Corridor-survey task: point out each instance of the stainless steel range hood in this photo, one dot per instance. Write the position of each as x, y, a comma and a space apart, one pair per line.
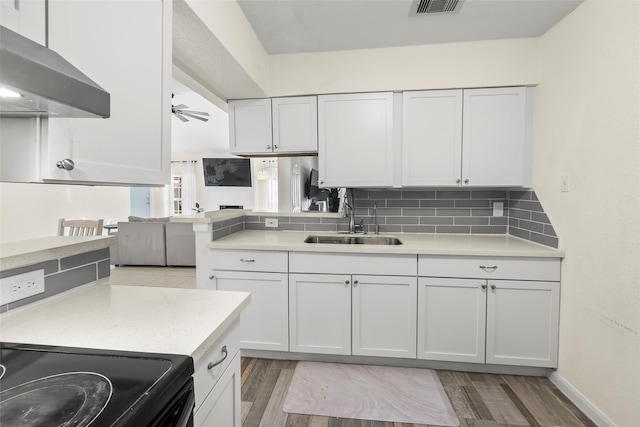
48, 84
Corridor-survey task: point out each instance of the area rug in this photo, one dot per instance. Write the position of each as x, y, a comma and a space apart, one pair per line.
382, 393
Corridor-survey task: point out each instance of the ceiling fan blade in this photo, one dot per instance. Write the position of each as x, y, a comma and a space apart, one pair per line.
178, 115
179, 107
194, 116
200, 113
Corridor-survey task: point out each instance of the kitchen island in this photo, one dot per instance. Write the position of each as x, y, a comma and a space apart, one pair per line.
197, 323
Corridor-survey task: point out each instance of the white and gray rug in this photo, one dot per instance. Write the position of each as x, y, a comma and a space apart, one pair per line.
382, 393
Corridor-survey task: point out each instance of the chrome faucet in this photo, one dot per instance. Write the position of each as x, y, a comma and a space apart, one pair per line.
353, 227
375, 218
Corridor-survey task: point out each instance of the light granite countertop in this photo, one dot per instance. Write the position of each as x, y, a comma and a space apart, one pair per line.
412, 243
222, 215
131, 318
27, 252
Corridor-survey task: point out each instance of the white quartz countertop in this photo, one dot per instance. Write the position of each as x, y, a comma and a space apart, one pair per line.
131, 318
222, 215
412, 243
26, 252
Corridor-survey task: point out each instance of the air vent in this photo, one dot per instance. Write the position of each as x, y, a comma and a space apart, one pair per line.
437, 6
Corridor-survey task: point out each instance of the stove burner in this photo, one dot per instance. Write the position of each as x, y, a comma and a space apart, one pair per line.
62, 400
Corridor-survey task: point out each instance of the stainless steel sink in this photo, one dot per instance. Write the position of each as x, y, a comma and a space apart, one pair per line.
353, 240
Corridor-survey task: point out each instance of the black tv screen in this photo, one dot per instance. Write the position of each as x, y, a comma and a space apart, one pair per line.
227, 172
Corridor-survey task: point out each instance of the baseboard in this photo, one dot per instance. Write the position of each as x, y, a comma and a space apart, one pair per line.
406, 363
578, 399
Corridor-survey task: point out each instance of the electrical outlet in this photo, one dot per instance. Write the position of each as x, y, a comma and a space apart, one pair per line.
271, 222
20, 286
498, 208
565, 183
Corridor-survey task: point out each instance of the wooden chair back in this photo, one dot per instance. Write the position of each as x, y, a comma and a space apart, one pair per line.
79, 227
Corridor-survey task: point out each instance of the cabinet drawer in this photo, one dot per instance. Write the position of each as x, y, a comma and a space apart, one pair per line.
205, 379
546, 269
327, 263
241, 260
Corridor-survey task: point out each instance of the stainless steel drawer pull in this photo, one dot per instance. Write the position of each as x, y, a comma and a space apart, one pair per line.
247, 260
489, 268
212, 365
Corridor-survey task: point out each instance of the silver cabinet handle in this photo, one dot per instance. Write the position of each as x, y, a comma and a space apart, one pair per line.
212, 277
275, 147
247, 260
458, 181
268, 147
355, 283
212, 365
483, 286
346, 283
466, 181
488, 268
493, 287
321, 182
66, 164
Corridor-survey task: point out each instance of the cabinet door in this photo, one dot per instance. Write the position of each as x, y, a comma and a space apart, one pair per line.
250, 126
522, 323
25, 17
125, 47
295, 124
451, 319
320, 313
355, 140
222, 407
432, 138
494, 139
384, 316
264, 324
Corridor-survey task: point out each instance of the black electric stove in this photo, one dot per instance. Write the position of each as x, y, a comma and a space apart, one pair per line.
65, 387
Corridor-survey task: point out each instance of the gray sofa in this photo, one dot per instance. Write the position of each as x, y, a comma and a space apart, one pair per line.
154, 241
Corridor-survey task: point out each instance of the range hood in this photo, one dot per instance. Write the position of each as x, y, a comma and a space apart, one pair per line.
46, 84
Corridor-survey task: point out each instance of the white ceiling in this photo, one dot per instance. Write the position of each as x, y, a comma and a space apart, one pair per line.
296, 26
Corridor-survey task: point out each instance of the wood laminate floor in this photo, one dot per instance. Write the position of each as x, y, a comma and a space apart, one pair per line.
479, 400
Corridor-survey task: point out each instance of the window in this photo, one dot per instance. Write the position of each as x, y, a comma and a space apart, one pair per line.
177, 194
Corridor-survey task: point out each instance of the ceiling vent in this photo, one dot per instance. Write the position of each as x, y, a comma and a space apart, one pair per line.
428, 7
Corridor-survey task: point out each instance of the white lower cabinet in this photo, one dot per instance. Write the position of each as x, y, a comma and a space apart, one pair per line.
217, 383
485, 320
320, 313
368, 308
264, 324
522, 323
451, 319
360, 315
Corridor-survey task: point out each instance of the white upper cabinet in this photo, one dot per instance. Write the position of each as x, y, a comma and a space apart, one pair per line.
467, 138
295, 124
432, 138
274, 126
494, 137
355, 140
25, 17
125, 47
250, 126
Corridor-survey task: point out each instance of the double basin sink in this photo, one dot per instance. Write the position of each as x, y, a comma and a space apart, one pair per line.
353, 240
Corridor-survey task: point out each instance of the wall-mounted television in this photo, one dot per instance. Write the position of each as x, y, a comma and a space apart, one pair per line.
229, 172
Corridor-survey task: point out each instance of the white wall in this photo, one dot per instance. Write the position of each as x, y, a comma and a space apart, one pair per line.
588, 125
437, 66
30, 211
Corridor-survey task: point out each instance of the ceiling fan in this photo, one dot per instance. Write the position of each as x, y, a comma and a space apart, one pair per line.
180, 112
